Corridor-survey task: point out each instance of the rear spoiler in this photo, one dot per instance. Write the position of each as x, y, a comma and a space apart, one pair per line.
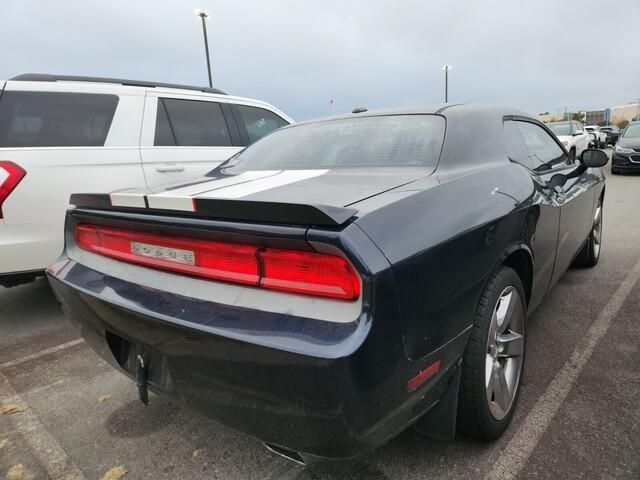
236, 210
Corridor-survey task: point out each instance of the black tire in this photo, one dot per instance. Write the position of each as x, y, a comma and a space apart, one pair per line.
475, 417
614, 172
589, 255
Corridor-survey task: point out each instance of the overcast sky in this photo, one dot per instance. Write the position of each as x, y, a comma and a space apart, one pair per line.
536, 55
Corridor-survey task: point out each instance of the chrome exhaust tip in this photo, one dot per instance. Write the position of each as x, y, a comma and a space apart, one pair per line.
286, 453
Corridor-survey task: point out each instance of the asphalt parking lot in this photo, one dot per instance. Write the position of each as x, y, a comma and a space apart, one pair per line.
578, 416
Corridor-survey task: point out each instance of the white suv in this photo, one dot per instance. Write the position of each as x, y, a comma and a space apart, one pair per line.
61, 135
597, 137
572, 135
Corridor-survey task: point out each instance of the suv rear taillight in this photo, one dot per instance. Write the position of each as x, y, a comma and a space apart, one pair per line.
10, 176
296, 271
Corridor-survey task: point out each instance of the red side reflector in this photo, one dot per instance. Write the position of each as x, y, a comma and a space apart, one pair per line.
423, 376
293, 271
10, 176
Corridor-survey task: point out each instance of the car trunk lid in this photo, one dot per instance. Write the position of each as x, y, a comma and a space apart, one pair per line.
295, 197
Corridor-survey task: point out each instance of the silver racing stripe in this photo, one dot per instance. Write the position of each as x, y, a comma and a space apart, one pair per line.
135, 200
184, 202
240, 190
173, 202
216, 183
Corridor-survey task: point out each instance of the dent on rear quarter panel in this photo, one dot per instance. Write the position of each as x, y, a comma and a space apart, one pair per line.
442, 254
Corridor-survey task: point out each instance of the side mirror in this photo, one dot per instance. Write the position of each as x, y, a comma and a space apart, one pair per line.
592, 158
579, 132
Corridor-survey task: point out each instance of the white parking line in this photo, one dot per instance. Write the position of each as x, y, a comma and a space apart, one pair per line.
41, 353
49, 453
515, 455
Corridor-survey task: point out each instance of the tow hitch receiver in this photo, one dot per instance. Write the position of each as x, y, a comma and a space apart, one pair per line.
141, 379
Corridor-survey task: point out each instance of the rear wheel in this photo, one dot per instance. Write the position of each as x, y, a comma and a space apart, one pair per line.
494, 358
590, 253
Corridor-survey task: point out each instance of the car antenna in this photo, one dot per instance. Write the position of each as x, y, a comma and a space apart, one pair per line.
359, 110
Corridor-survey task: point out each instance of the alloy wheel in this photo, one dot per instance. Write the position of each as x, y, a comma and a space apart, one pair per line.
505, 350
597, 231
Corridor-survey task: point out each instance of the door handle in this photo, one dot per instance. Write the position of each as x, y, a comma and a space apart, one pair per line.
169, 168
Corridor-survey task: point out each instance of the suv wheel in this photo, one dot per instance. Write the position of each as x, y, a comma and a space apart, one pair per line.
493, 360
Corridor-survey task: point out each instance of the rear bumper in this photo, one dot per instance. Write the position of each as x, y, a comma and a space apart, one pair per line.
29, 247
18, 278
326, 390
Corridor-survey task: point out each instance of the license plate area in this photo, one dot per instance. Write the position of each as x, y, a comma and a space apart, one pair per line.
133, 357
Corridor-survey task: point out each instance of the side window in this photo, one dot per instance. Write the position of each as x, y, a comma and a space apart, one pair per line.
164, 135
516, 149
578, 127
544, 152
259, 121
55, 119
190, 123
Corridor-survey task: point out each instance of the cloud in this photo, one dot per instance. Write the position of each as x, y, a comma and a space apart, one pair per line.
535, 55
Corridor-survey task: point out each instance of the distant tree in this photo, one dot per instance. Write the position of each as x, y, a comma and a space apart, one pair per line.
602, 123
623, 123
578, 117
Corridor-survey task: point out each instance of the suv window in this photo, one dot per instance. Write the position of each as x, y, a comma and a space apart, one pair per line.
259, 121
190, 123
531, 146
55, 119
577, 127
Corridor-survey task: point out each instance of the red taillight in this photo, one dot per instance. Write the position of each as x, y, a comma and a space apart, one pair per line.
294, 271
10, 176
205, 258
307, 272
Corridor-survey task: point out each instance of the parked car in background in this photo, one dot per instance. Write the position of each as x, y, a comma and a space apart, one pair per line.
626, 153
598, 138
341, 279
62, 134
573, 136
613, 133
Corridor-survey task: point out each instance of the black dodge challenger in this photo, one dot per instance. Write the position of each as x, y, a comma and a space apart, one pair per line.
341, 279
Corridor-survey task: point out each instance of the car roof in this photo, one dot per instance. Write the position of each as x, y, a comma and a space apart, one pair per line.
32, 79
46, 77
444, 109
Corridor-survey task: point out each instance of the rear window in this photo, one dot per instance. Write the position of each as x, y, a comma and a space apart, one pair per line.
559, 129
382, 141
55, 119
190, 123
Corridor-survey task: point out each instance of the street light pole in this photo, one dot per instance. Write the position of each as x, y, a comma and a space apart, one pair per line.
204, 16
446, 69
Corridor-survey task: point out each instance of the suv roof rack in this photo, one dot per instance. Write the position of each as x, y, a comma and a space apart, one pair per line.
45, 77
